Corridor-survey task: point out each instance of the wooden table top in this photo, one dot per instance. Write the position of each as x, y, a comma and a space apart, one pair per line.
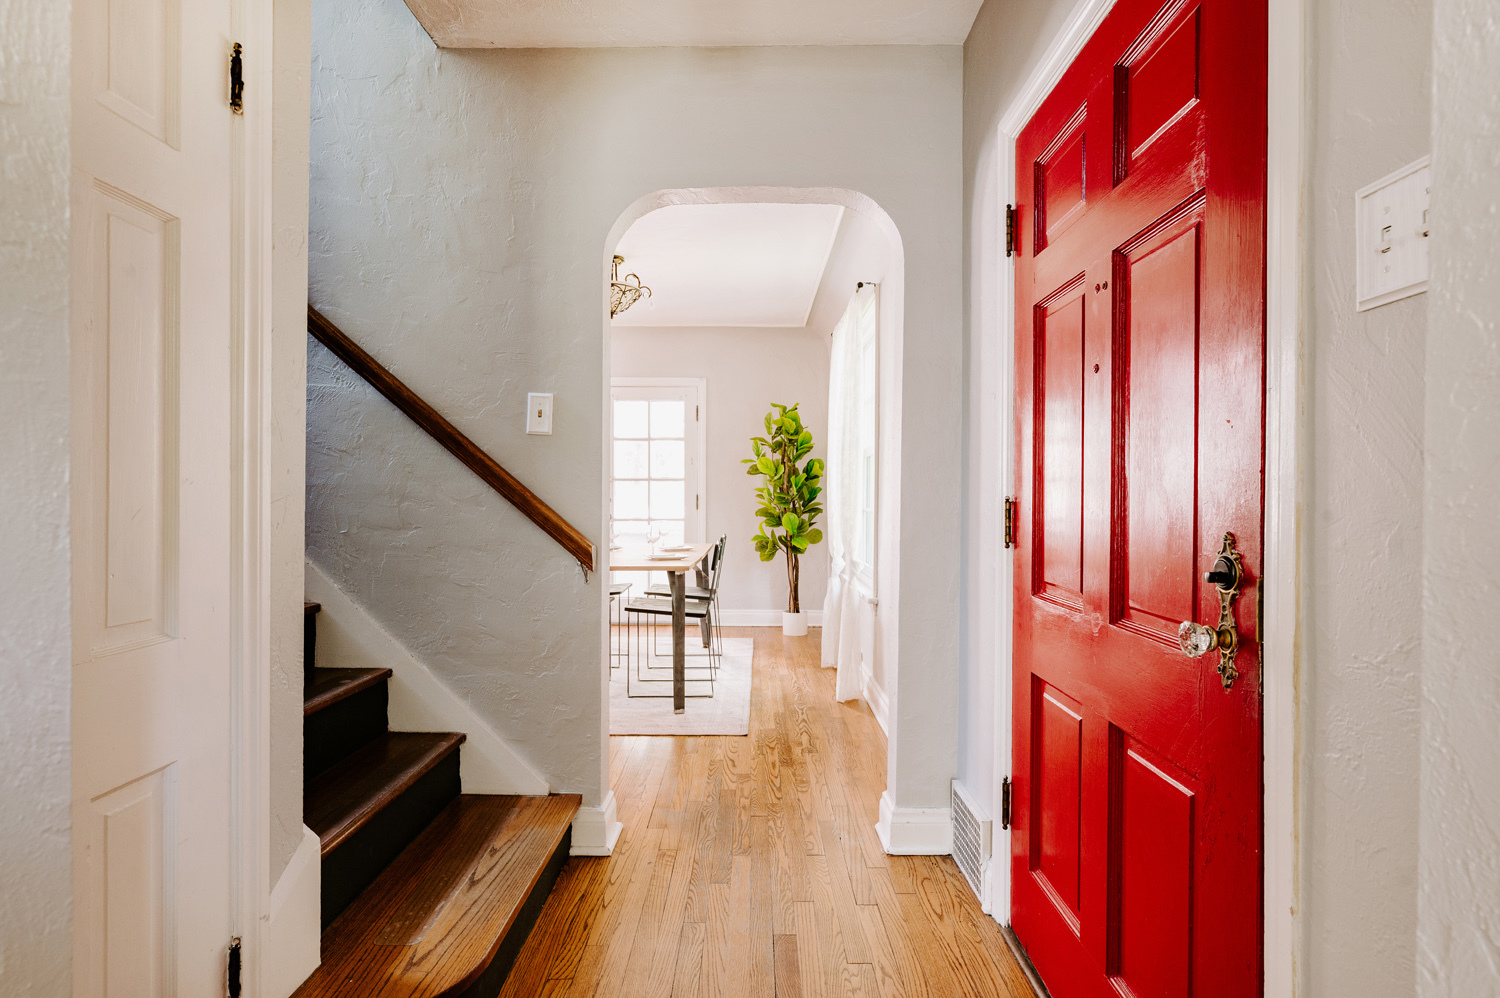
638, 559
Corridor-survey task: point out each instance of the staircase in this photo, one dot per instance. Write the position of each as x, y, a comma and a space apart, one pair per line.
425, 890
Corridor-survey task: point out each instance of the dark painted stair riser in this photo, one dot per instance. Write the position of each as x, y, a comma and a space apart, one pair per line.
359, 859
342, 728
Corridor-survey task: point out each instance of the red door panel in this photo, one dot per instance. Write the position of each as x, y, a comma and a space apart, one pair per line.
1057, 764
1156, 389
1136, 841
1060, 325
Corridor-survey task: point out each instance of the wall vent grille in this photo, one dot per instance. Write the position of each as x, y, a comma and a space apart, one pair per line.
972, 831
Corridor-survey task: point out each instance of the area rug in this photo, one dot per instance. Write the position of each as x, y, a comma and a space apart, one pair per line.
726, 713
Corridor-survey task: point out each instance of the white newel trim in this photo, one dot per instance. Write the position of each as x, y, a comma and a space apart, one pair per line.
596, 829
348, 637
914, 831
290, 937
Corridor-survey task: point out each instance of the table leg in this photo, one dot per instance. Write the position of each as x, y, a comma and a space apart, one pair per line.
678, 582
702, 583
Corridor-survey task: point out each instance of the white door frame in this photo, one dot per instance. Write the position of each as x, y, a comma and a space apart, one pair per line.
1280, 652
279, 933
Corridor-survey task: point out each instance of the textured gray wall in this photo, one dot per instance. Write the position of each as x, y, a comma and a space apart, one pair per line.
36, 888
1459, 901
1003, 48
460, 207
1370, 105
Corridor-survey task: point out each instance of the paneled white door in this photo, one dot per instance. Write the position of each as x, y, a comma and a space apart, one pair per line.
151, 497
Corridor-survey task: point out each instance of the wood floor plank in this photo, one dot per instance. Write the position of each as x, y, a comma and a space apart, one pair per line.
788, 979
688, 973
750, 867
812, 959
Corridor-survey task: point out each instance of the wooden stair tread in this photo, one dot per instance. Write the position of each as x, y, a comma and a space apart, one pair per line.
329, 686
433, 921
341, 801
308, 606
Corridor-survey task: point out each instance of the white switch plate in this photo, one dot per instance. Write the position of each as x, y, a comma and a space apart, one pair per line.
1391, 236
539, 412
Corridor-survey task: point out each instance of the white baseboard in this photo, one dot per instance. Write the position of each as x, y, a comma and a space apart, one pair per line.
914, 831
766, 618
290, 937
348, 637
880, 704
596, 829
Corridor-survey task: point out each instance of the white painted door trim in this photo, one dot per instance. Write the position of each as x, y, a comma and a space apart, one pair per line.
1281, 657
1286, 103
278, 924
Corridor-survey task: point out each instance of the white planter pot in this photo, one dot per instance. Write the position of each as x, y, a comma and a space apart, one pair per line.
794, 625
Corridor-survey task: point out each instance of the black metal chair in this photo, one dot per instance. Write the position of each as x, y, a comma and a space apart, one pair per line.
619, 650
642, 613
709, 595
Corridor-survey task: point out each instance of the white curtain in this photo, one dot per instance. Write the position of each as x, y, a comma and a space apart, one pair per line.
845, 602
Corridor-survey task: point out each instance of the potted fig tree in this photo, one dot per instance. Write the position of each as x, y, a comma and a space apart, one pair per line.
789, 504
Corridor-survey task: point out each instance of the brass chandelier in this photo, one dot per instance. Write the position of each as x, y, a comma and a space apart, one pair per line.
623, 294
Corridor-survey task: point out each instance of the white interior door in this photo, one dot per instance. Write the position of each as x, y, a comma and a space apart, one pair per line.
151, 497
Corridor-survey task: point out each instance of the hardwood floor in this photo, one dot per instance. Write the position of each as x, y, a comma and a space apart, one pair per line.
749, 866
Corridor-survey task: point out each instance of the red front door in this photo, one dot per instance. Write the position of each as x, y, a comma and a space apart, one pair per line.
1140, 328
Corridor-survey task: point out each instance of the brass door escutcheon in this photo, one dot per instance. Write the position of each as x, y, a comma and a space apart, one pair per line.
1197, 640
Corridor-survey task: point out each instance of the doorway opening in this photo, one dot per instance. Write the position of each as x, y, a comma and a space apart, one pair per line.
760, 298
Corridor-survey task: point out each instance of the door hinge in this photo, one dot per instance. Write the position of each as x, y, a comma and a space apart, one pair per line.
1005, 803
1010, 522
696, 417
696, 499
1010, 229
237, 79
232, 974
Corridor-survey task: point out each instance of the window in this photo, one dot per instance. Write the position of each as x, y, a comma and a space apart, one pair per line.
655, 467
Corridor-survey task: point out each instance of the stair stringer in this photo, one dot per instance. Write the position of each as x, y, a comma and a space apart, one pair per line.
349, 638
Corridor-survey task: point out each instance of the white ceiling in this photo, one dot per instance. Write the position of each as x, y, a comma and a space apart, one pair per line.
728, 264
603, 23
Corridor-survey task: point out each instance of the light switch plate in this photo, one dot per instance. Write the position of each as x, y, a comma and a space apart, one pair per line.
1391, 236
539, 412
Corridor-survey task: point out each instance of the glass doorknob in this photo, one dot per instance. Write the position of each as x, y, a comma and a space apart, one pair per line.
1197, 640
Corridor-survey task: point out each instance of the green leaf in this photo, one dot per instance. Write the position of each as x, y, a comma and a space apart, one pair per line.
814, 536
789, 522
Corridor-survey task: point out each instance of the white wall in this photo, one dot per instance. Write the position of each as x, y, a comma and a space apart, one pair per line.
1458, 902
1369, 111
747, 369
460, 207
36, 889
1008, 39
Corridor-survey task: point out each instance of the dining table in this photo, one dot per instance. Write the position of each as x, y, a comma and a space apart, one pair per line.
676, 561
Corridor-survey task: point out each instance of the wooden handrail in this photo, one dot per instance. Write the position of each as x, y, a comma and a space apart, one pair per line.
451, 438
